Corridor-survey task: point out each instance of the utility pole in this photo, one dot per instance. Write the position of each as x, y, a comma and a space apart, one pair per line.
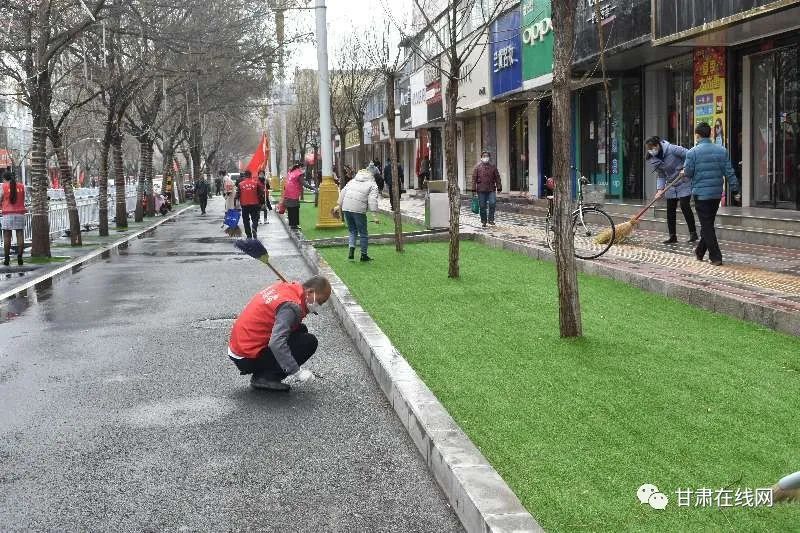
328, 191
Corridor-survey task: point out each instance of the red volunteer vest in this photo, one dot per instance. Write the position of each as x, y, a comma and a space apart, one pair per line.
18, 207
253, 329
248, 192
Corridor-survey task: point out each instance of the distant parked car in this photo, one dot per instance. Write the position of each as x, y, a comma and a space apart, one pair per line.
188, 189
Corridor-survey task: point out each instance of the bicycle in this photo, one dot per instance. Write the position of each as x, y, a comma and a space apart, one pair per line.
588, 221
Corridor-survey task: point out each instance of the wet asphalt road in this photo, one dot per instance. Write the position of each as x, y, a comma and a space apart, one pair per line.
120, 410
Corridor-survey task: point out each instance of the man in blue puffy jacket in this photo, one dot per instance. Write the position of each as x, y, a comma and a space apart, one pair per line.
706, 165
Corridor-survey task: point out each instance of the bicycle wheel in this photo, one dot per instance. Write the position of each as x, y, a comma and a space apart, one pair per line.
587, 224
548, 232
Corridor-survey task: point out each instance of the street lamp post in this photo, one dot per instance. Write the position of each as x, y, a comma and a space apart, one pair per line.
328, 191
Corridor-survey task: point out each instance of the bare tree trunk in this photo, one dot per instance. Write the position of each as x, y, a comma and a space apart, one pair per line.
40, 221
138, 213
569, 302
453, 192
147, 170
102, 191
181, 183
65, 174
396, 183
119, 182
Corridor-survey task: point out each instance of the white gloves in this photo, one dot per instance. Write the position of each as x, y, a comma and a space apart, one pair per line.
302, 375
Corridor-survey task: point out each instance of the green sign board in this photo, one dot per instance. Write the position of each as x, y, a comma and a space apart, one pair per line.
537, 39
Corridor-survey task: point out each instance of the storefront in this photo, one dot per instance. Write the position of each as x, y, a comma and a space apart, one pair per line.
506, 49
609, 152
755, 108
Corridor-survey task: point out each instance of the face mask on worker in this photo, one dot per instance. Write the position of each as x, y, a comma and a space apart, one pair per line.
312, 304
485, 159
653, 151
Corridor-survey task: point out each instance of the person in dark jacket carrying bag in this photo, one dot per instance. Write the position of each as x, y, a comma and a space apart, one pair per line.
707, 165
486, 183
667, 160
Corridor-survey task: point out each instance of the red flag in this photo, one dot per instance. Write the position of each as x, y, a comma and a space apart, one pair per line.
259, 160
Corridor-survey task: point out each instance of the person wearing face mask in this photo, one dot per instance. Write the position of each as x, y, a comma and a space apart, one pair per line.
270, 341
666, 160
486, 184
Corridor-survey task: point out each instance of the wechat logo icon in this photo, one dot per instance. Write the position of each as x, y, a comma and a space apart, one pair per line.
650, 494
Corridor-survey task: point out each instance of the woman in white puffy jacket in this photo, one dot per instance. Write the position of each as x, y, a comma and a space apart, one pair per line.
358, 196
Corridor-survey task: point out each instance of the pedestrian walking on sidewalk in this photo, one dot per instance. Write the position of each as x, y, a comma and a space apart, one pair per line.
357, 197
292, 191
229, 193
266, 205
486, 184
218, 182
201, 190
389, 181
667, 161
270, 341
251, 197
707, 164
424, 172
12, 205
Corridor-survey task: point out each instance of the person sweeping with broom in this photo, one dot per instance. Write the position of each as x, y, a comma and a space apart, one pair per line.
269, 340
667, 160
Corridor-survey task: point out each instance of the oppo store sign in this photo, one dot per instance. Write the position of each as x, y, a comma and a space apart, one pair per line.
537, 31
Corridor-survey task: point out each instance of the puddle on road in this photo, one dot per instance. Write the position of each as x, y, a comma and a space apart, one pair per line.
17, 305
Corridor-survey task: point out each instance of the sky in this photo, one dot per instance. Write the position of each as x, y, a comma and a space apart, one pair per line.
343, 17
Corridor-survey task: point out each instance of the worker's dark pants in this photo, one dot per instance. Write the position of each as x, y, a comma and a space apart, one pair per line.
302, 345
672, 211
707, 213
251, 215
294, 216
203, 203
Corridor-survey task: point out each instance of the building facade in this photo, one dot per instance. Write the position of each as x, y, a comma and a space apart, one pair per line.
16, 130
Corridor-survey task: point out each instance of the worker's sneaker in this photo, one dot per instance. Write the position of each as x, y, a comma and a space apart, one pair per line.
692, 237
716, 263
365, 258
672, 240
265, 383
351, 254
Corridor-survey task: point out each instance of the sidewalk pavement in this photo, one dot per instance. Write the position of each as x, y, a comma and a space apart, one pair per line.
766, 275
122, 412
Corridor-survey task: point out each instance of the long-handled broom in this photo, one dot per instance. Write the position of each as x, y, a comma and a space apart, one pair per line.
255, 249
624, 230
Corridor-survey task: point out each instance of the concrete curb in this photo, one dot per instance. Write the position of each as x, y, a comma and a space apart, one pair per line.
90, 256
480, 497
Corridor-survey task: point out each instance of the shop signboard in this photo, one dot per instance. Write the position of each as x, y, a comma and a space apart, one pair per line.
537, 43
506, 53
709, 91
419, 107
433, 94
404, 103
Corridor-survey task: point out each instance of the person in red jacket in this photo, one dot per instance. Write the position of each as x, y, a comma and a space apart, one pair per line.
269, 340
12, 206
251, 198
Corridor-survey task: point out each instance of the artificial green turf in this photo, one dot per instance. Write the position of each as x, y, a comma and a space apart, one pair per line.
308, 222
46, 260
655, 392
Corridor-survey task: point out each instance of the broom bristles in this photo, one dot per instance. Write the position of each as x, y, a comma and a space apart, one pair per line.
252, 247
620, 233
235, 231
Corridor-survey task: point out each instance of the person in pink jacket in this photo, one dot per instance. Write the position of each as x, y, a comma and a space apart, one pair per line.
292, 191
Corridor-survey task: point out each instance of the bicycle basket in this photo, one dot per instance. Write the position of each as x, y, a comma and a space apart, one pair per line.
594, 193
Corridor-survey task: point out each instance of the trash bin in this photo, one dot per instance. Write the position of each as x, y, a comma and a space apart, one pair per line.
437, 207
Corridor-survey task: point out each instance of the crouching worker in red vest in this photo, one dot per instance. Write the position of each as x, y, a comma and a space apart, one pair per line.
269, 340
